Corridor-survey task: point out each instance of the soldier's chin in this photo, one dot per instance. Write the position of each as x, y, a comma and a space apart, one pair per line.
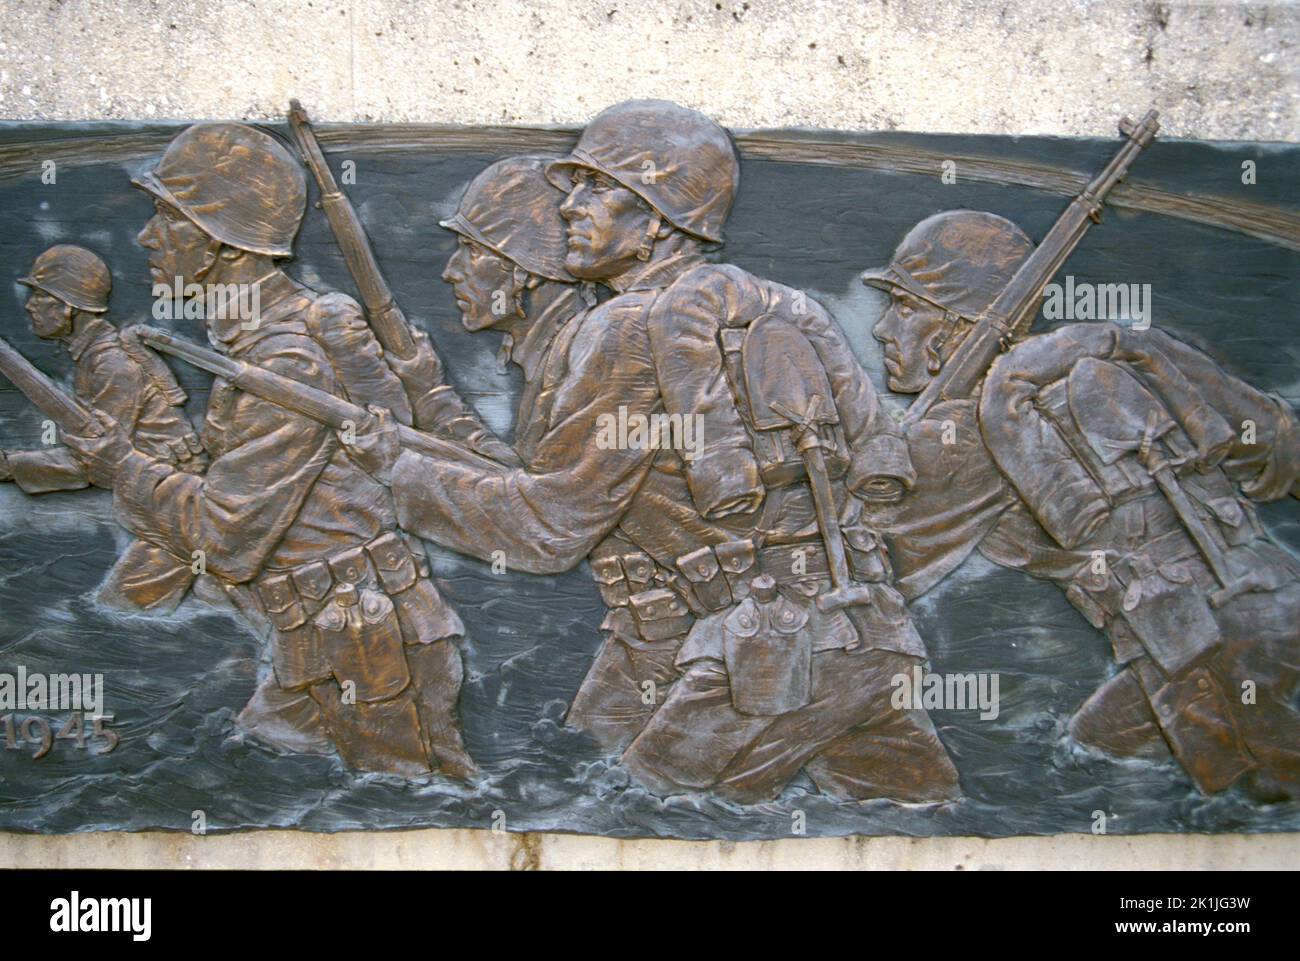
582, 266
475, 320
904, 385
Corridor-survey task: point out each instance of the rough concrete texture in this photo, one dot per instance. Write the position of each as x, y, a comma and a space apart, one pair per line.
1216, 71
1070, 67
467, 850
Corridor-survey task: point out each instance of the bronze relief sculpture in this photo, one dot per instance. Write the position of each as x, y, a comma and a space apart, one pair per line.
762, 526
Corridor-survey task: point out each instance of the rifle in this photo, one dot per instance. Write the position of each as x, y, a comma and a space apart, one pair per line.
71, 415
386, 318
310, 402
1012, 313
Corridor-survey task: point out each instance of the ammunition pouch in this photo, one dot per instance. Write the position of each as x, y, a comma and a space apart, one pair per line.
738, 560
610, 580
868, 560
1157, 595
349, 615
660, 614
640, 570
704, 572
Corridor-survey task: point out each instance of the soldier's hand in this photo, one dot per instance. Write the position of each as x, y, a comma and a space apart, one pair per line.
374, 444
6, 472
1211, 434
421, 373
101, 456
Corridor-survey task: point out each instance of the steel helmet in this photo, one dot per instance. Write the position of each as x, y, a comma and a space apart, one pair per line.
239, 185
677, 160
73, 274
959, 259
512, 209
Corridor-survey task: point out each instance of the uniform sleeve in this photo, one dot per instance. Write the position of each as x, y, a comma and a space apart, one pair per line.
238, 512
118, 387
115, 387
43, 471
684, 327
1268, 466
578, 486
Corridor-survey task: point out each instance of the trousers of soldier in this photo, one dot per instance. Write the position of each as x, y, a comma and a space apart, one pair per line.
849, 738
406, 734
1261, 645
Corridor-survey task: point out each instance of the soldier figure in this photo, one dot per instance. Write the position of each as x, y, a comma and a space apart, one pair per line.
507, 274
1120, 464
712, 560
115, 374
362, 645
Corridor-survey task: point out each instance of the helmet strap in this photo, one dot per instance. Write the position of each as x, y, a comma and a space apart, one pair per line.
651, 234
68, 328
935, 345
210, 257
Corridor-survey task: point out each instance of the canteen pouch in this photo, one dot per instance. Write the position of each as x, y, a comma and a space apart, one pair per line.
425, 615
363, 636
768, 652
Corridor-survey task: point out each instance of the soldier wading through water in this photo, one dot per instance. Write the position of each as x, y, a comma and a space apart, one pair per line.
730, 594
362, 644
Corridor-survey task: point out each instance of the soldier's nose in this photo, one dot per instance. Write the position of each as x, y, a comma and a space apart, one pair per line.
569, 210
145, 238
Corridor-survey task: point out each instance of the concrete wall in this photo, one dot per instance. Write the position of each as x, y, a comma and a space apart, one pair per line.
1215, 71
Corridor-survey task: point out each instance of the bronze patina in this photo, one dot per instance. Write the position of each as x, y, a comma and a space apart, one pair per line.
761, 520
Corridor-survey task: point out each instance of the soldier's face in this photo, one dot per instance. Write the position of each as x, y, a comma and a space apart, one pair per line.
606, 224
906, 328
483, 284
177, 247
51, 318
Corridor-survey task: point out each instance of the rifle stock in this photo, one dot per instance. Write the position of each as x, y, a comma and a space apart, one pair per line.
310, 402
1012, 312
71, 416
386, 318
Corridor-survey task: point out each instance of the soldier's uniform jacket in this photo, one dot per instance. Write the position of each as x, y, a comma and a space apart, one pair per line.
284, 510
115, 374
1064, 502
673, 541
108, 378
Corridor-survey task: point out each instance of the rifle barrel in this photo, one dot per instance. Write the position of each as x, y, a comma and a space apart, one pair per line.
386, 318
71, 416
311, 402
1012, 312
